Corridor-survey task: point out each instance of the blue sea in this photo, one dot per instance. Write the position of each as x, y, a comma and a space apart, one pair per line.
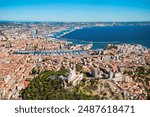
101, 36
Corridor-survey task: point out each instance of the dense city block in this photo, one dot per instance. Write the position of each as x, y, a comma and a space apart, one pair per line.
36, 64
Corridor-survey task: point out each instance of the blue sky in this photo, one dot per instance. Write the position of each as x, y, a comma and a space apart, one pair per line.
75, 10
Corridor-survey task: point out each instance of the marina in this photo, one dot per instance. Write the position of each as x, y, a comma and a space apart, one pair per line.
57, 52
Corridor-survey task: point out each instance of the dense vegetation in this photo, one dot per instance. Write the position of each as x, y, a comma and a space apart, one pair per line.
78, 67
45, 88
48, 86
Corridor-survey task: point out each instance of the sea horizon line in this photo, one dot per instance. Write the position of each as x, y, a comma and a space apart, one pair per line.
75, 21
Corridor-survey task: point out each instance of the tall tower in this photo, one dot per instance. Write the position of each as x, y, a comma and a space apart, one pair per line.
72, 72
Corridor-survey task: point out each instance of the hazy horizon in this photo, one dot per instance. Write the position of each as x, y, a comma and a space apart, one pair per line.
74, 21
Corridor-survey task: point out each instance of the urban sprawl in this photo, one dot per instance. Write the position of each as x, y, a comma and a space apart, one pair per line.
34, 47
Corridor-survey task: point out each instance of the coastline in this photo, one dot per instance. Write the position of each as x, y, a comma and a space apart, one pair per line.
102, 43
24, 56
60, 34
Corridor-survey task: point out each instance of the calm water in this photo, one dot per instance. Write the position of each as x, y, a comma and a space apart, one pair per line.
101, 36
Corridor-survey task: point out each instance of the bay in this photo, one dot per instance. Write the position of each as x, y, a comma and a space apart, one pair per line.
101, 36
